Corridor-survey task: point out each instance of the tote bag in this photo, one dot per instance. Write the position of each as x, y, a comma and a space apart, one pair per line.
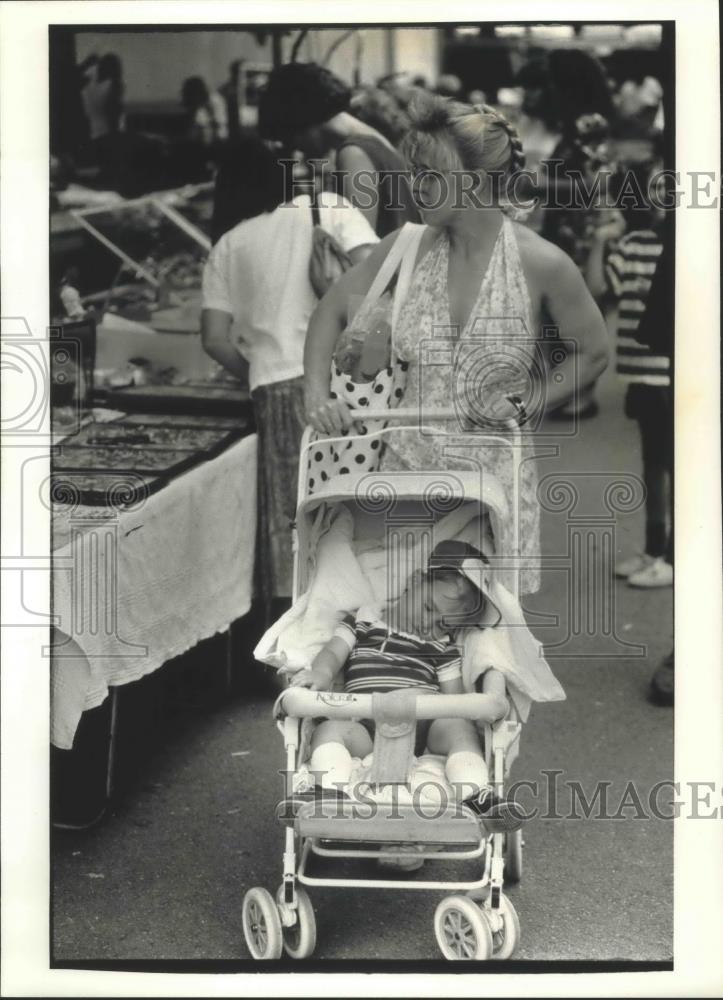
386, 389
328, 260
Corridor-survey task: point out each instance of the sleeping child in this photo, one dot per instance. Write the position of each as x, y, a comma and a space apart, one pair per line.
410, 644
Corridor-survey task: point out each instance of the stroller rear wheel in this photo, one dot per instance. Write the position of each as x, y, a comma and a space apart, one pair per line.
462, 930
513, 856
300, 937
262, 925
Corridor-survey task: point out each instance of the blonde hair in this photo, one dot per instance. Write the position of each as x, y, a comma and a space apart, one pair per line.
450, 133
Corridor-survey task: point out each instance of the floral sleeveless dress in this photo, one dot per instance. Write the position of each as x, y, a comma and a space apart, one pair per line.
496, 349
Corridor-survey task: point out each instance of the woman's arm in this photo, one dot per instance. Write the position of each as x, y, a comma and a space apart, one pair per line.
358, 254
580, 323
358, 182
327, 321
215, 338
595, 267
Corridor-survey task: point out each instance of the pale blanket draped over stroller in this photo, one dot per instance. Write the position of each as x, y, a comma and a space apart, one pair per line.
347, 580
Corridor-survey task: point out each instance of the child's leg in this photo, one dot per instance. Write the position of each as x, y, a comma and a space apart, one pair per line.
465, 768
467, 771
333, 745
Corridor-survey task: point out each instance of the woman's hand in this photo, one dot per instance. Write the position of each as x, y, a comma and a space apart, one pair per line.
503, 407
495, 407
315, 680
328, 416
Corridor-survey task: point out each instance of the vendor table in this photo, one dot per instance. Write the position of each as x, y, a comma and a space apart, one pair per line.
136, 586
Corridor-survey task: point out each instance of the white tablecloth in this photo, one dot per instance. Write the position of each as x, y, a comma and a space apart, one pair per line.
137, 588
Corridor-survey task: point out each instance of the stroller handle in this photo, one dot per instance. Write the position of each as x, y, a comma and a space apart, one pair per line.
417, 415
304, 703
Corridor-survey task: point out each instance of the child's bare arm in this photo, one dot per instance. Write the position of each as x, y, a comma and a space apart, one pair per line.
493, 683
452, 687
326, 665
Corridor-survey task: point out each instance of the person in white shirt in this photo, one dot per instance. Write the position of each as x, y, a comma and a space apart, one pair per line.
257, 301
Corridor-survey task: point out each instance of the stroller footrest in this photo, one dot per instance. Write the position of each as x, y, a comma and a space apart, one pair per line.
386, 823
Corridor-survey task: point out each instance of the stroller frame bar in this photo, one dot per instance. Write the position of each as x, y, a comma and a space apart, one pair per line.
325, 852
373, 883
303, 703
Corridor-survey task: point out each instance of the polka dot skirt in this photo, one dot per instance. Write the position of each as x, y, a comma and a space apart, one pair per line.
341, 459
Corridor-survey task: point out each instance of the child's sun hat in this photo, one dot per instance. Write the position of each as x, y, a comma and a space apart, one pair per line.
473, 565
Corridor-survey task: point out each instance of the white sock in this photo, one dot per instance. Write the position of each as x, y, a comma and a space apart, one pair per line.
332, 764
467, 772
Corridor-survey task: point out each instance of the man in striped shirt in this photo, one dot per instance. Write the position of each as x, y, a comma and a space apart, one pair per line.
627, 275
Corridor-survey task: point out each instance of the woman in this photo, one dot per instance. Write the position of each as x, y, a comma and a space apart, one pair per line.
207, 118
479, 290
306, 107
257, 300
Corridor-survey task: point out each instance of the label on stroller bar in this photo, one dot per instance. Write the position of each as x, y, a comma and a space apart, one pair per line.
335, 698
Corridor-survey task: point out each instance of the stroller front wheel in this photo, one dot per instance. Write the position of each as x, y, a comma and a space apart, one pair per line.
299, 939
463, 932
262, 925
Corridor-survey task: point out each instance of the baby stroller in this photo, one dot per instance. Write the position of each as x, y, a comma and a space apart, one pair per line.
477, 921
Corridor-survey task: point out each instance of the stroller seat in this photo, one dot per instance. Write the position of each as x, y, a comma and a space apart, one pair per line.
385, 822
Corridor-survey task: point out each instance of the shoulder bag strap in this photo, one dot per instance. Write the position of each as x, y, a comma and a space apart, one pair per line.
390, 265
315, 214
406, 270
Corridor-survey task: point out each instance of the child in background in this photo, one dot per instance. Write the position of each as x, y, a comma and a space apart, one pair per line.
625, 269
409, 645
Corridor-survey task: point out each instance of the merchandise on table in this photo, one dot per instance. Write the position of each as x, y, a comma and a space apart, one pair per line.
195, 204
161, 256
102, 489
120, 433
193, 397
185, 420
99, 459
142, 459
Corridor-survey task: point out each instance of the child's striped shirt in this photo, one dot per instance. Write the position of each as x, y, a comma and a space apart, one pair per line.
384, 660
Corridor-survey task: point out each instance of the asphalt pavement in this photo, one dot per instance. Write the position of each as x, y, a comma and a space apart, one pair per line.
163, 876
